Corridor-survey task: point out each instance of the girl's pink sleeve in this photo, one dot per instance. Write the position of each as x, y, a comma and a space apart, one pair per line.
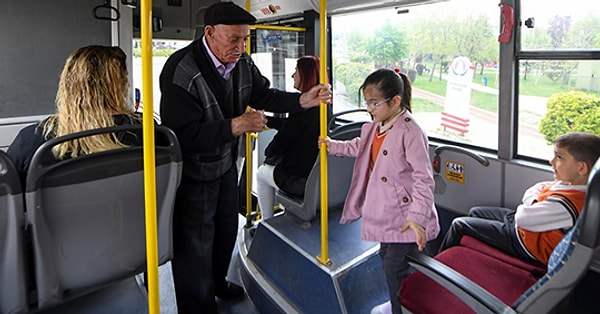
344, 148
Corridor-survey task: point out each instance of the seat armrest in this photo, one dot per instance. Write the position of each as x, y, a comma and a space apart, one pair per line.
472, 294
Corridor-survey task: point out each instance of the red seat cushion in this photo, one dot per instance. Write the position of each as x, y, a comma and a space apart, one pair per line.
537, 270
504, 276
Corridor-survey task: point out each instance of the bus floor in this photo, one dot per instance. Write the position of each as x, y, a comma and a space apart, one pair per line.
168, 305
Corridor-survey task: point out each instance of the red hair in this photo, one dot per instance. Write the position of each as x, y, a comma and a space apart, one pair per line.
308, 68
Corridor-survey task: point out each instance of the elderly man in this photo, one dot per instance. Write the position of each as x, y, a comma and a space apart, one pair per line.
206, 88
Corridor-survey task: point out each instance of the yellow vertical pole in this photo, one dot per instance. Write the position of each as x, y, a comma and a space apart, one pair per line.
249, 137
149, 158
324, 258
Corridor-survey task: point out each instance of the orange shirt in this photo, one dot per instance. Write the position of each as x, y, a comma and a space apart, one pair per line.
377, 141
541, 244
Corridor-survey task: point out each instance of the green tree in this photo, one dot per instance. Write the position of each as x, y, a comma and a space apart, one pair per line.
571, 112
358, 51
443, 37
388, 45
428, 38
558, 29
585, 33
352, 74
474, 39
535, 38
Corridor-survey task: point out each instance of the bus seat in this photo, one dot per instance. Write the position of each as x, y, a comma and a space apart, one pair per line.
339, 177
345, 129
13, 263
464, 280
88, 227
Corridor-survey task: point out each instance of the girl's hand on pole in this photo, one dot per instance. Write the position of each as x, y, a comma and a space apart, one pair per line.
325, 140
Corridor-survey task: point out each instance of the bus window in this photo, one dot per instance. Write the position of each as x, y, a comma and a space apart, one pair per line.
276, 54
161, 50
449, 52
559, 73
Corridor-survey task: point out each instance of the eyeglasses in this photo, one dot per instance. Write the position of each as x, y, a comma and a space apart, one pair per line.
374, 105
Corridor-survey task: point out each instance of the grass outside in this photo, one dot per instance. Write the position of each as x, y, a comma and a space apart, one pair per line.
424, 105
532, 86
478, 99
156, 52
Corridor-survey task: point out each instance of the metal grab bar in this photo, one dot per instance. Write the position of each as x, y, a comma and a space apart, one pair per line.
333, 117
106, 12
482, 160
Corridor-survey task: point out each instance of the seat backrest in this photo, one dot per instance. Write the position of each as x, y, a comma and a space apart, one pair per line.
346, 129
87, 213
13, 264
339, 174
572, 257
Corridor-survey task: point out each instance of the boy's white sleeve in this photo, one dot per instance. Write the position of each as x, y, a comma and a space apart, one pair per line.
531, 194
543, 216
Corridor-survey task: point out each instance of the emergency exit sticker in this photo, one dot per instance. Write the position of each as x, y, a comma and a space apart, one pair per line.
455, 171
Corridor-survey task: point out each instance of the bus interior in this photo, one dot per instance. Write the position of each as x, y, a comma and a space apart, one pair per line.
490, 139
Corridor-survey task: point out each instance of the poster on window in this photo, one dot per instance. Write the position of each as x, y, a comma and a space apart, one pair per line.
458, 95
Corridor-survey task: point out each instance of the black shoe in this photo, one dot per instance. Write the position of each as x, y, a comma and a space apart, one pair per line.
231, 291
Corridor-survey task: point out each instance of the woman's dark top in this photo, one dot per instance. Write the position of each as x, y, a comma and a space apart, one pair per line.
294, 149
30, 138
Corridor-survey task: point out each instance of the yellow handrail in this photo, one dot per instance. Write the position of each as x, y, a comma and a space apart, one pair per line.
249, 137
149, 158
280, 28
324, 257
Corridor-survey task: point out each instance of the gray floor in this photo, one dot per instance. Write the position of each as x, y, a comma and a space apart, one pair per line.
167, 291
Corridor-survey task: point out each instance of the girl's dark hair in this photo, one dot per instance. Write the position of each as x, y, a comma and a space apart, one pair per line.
308, 67
390, 84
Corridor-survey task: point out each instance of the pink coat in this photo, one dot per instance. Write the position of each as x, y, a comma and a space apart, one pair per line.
400, 187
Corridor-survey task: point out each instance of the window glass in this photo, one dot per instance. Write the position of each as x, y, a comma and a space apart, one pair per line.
161, 50
575, 25
559, 89
556, 97
449, 50
276, 54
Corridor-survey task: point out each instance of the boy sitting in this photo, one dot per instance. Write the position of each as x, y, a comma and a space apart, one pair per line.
548, 211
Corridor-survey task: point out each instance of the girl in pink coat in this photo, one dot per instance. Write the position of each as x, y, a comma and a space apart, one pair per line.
392, 183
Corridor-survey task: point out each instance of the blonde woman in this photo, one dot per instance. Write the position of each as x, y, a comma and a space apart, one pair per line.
92, 93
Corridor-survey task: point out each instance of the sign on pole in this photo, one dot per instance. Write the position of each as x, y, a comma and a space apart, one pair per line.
458, 95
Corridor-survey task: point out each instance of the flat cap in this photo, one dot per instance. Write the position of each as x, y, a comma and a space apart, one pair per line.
227, 13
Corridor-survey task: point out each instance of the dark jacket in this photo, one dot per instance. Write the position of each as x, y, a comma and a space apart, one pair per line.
198, 105
294, 150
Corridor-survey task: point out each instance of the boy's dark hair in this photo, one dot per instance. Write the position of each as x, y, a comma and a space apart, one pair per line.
390, 84
582, 146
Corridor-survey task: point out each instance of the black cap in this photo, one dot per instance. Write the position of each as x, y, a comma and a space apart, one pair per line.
227, 13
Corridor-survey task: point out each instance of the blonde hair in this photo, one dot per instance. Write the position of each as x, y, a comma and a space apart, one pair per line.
93, 87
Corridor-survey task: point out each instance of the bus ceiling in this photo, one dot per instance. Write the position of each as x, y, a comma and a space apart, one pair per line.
264, 10
184, 19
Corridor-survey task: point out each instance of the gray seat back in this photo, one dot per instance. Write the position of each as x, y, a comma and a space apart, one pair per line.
87, 213
339, 178
572, 258
345, 129
13, 264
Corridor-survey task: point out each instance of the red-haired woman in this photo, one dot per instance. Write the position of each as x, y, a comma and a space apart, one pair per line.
293, 151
